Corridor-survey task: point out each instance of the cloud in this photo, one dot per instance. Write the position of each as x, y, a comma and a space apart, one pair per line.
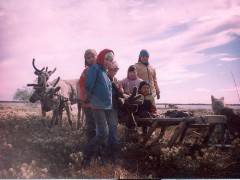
57, 33
229, 59
233, 89
202, 90
218, 65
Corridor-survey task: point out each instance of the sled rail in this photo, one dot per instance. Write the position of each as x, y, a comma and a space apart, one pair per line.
183, 124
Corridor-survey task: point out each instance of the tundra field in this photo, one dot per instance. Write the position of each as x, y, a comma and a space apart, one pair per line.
30, 150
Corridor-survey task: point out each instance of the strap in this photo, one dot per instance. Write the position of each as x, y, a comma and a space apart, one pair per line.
72, 93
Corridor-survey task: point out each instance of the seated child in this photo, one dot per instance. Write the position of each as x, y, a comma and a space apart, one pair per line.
131, 81
148, 109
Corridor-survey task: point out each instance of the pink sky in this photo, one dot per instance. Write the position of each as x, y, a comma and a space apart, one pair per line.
189, 42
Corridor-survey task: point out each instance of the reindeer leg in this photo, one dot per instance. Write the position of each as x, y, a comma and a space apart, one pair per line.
44, 118
69, 115
53, 121
56, 119
223, 131
43, 115
60, 116
79, 115
83, 122
131, 123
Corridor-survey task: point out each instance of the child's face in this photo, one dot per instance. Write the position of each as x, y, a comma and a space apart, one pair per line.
112, 72
132, 74
91, 59
144, 58
107, 62
145, 90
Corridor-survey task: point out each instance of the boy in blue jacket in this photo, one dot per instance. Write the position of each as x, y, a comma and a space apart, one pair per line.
98, 88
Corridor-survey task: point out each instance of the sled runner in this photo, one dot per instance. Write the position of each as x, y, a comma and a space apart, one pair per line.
183, 124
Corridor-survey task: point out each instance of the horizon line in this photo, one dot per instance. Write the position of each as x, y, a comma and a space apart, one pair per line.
5, 101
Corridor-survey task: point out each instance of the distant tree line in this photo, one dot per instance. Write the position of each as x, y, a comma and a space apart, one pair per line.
23, 94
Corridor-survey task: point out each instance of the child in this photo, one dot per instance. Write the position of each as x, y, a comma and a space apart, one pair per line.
98, 90
147, 72
131, 81
90, 59
148, 109
113, 119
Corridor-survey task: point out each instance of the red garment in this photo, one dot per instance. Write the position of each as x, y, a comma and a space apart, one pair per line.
82, 87
101, 56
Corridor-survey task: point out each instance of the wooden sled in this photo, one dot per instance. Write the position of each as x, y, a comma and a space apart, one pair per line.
183, 124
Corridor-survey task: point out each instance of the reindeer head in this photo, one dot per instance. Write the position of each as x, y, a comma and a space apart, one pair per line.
46, 73
51, 98
41, 85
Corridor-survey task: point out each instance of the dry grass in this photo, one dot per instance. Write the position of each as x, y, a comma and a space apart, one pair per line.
30, 150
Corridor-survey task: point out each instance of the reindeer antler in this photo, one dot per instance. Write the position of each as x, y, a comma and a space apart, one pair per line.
51, 72
56, 82
32, 84
134, 98
36, 69
41, 83
54, 90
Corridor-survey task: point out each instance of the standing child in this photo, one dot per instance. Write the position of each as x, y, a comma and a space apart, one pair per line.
131, 81
113, 119
90, 56
98, 89
147, 72
148, 109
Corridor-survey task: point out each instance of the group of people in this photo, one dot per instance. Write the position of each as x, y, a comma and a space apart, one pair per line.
100, 91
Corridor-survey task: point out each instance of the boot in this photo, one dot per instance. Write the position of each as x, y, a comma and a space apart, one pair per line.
114, 153
87, 157
99, 153
86, 161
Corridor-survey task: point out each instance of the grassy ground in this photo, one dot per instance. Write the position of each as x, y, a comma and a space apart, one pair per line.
30, 150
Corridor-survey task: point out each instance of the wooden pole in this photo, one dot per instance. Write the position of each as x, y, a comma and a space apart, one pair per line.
235, 86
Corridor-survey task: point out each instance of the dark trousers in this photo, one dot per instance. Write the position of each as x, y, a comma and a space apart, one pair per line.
90, 123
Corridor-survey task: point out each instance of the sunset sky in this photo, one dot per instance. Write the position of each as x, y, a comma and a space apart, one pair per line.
194, 45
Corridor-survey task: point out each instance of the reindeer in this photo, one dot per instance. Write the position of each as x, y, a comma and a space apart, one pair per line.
129, 106
41, 89
61, 98
43, 77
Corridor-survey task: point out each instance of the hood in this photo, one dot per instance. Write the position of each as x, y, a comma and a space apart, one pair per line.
143, 52
89, 51
131, 68
101, 55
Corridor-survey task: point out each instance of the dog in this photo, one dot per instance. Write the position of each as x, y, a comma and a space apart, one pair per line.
233, 119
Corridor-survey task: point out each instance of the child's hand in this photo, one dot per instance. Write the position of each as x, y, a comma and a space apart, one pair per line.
87, 99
